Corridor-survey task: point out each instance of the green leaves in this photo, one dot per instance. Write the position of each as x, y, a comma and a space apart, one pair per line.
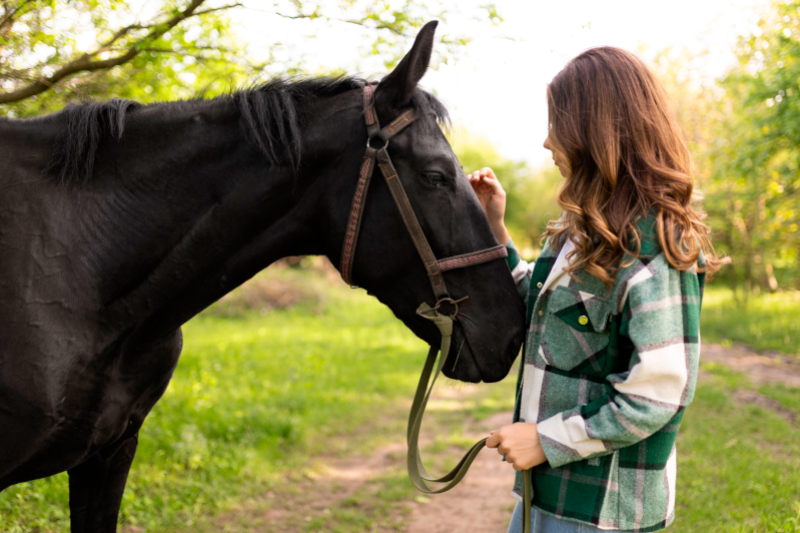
765, 156
744, 131
53, 52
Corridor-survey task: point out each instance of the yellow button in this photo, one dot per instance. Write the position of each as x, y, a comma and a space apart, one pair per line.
539, 284
583, 320
541, 312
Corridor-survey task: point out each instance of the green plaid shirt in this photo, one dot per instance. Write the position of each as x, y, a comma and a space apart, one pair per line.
607, 375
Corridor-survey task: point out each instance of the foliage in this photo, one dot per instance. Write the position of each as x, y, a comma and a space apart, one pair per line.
744, 132
765, 85
52, 52
395, 21
540, 192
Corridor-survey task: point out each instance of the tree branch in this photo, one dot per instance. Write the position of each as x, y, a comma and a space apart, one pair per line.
10, 12
182, 52
211, 10
379, 26
86, 64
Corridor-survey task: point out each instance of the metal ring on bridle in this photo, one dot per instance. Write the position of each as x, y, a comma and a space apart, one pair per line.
381, 138
445, 300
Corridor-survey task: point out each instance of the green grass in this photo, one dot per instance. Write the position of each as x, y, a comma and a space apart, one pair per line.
253, 396
738, 463
788, 397
257, 395
256, 398
765, 322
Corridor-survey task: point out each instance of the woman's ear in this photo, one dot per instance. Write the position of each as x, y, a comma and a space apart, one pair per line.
396, 89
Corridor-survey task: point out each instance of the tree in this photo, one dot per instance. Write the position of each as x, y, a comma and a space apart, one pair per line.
764, 87
52, 51
744, 131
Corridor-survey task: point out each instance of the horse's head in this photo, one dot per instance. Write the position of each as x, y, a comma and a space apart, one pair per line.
489, 329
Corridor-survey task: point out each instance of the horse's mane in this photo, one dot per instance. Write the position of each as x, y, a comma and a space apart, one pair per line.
270, 115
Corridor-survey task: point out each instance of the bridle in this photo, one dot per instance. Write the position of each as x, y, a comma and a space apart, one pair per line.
443, 313
377, 153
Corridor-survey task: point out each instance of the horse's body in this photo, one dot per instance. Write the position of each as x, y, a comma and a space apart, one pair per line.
110, 241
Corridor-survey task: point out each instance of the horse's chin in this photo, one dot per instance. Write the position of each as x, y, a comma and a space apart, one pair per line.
461, 363
473, 362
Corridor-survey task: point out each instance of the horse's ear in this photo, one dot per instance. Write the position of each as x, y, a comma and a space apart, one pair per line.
398, 87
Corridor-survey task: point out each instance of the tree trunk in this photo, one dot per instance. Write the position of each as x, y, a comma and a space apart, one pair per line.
769, 278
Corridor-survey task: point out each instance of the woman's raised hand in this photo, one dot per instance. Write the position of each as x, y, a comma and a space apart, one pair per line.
493, 200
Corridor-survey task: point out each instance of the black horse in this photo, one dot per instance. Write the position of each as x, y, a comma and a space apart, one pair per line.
119, 222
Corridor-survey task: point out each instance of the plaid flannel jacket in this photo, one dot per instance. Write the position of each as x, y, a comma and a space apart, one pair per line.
607, 375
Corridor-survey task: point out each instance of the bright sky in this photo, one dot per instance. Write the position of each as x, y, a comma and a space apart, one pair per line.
498, 89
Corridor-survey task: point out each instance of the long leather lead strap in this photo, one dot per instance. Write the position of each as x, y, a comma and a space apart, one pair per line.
419, 475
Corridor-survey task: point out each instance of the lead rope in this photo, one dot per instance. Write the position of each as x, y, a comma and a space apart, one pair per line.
416, 470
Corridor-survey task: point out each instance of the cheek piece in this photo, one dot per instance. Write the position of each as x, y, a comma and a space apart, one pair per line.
442, 314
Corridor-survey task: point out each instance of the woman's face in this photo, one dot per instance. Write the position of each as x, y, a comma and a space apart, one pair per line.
558, 156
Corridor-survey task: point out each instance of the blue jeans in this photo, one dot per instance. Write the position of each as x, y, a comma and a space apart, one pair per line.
542, 523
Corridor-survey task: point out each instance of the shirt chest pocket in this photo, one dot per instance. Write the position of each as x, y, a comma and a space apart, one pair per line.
576, 332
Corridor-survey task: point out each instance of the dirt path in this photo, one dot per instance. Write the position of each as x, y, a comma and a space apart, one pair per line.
350, 495
767, 367
482, 504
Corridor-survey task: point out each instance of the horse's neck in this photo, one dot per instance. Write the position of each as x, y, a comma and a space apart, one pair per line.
193, 210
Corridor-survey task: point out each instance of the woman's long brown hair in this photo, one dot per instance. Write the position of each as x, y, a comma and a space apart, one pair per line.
611, 119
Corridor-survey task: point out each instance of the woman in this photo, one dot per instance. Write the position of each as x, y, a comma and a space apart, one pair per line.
610, 361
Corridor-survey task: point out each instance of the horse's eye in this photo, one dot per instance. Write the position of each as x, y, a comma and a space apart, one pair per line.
435, 179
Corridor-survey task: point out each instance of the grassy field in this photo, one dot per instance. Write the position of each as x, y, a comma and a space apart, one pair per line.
766, 322
255, 395
738, 461
261, 393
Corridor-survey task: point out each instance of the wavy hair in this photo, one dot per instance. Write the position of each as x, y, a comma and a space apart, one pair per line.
611, 119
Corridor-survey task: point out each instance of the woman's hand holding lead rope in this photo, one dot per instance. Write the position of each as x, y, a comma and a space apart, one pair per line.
519, 443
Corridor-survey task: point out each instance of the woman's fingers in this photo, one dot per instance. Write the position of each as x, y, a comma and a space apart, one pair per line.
487, 172
493, 185
485, 180
474, 179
